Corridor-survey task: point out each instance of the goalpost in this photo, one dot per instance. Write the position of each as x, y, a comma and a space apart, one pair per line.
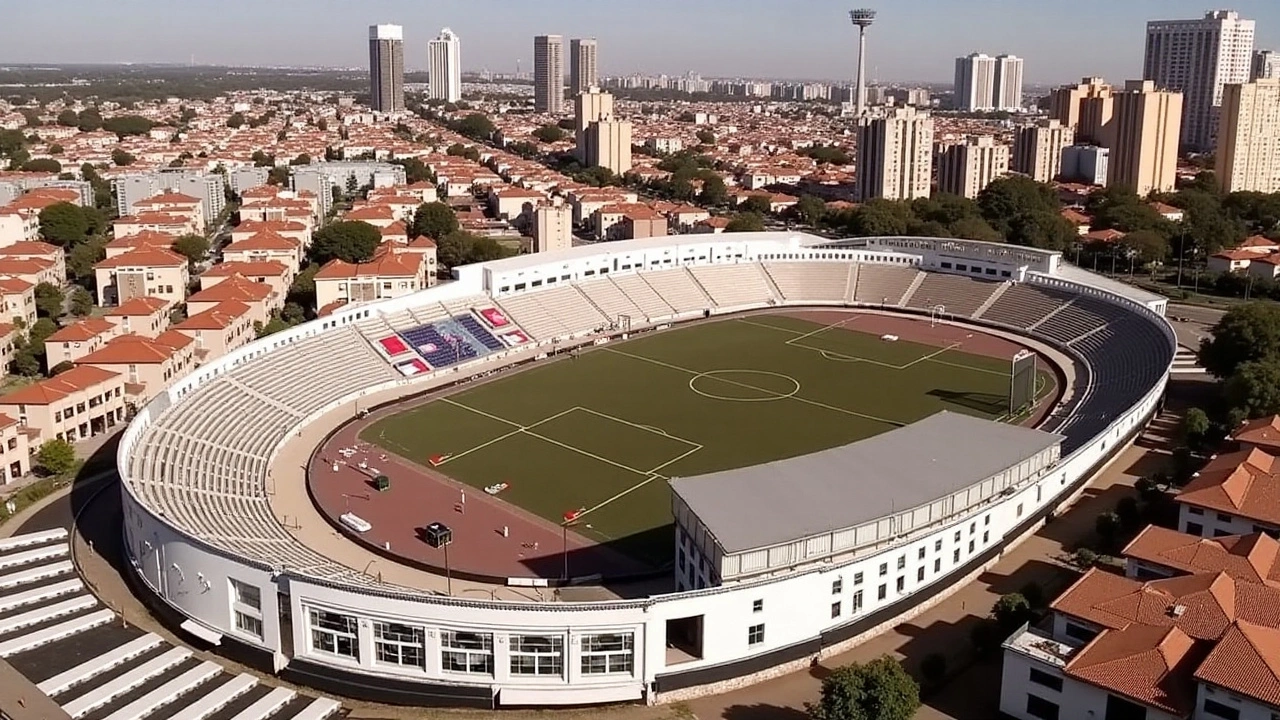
1022, 381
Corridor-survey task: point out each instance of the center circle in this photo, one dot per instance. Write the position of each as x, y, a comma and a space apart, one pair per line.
744, 385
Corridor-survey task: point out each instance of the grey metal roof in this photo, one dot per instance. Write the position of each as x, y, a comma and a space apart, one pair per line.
843, 487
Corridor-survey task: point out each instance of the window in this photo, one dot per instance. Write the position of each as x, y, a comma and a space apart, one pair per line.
902, 562
884, 569
397, 644
973, 528
920, 574
857, 578
1038, 707
1121, 709
901, 583
837, 586
985, 535
937, 565
608, 654
1195, 529
986, 520
1041, 677
757, 606
937, 545
466, 652
1079, 632
1224, 518
970, 547
248, 624
755, 635
882, 591
835, 610
955, 556
855, 603
957, 536
1020, 508
1195, 510
537, 655
920, 553
334, 633
1217, 709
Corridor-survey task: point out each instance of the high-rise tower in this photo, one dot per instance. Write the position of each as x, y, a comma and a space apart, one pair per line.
444, 67
548, 74
862, 19
582, 65
386, 68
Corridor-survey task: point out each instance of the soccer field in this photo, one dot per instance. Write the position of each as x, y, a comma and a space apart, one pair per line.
601, 433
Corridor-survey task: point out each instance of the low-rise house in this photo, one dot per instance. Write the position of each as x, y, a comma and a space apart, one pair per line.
173, 203
260, 298
167, 223
151, 272
1234, 494
74, 341
40, 251
79, 403
19, 297
392, 272
275, 275
145, 240
148, 365
265, 246
15, 451
510, 203
218, 330
9, 335
146, 316
288, 228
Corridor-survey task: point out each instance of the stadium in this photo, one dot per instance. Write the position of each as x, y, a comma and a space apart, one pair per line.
634, 471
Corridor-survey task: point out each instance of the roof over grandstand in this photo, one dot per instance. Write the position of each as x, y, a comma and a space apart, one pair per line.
787, 500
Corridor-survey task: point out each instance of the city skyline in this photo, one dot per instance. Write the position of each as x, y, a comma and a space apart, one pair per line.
913, 40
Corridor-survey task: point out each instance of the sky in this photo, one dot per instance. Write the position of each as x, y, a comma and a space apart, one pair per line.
786, 39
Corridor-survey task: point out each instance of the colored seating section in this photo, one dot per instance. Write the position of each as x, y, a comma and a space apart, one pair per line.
78, 654
438, 335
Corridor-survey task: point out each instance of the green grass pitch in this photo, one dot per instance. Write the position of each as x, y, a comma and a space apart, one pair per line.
604, 431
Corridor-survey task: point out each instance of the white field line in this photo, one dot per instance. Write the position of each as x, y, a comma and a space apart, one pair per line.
500, 438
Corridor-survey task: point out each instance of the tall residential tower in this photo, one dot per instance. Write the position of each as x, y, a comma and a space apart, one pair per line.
444, 67
1007, 89
548, 74
386, 68
1248, 154
895, 155
1144, 152
975, 83
582, 65
1196, 58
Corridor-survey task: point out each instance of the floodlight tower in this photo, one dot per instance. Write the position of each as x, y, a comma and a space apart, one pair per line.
862, 18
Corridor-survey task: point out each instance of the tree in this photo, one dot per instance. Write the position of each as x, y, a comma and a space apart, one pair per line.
56, 457
1129, 514
1033, 593
68, 118
122, 158
302, 159
463, 151
90, 120
759, 204
195, 248
706, 137
877, 690
1253, 390
49, 300
125, 125
235, 121
879, 217
278, 176
61, 367
1008, 197
80, 302
1011, 611
810, 209
1244, 334
714, 191
1041, 229
1084, 558
745, 222
1146, 245
42, 165
475, 126
434, 220
274, 325
1195, 427
415, 171
63, 224
347, 240
81, 259
549, 133
261, 159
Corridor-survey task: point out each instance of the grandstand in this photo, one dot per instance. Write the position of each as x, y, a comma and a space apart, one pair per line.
195, 463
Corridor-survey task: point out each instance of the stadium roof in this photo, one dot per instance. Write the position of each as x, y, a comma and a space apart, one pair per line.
787, 500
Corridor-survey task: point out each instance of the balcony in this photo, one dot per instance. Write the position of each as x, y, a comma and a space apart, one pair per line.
1037, 644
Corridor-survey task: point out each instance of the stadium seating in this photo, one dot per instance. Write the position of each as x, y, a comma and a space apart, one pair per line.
610, 300
644, 296
678, 288
733, 286
1024, 305
960, 295
1082, 315
439, 347
558, 312
885, 284
819, 282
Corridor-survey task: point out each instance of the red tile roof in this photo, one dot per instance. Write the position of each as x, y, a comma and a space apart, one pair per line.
1245, 483
45, 392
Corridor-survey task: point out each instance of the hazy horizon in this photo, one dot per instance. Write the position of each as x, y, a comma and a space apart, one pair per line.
911, 40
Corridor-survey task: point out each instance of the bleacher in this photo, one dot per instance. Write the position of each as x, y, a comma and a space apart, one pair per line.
818, 282
558, 312
54, 632
1079, 316
641, 293
1025, 304
734, 286
884, 284
611, 300
439, 347
677, 288
960, 295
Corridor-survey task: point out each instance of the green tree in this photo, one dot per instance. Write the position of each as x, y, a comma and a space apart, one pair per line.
1011, 611
1195, 427
303, 290
1008, 197
714, 191
56, 149
43, 165
434, 220
810, 210
745, 222
876, 690
463, 151
303, 159
63, 224
347, 240
1253, 390
49, 300
82, 257
1146, 246
475, 126
81, 302
549, 133
274, 325
56, 457
1107, 525
195, 248
759, 204
1041, 229
415, 171
1245, 333
880, 217
1129, 514
122, 158
126, 125
90, 120
706, 137
278, 176
68, 118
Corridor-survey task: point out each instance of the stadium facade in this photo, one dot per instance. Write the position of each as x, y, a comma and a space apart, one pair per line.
208, 548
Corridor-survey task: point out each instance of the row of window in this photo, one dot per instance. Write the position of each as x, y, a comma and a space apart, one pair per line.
471, 653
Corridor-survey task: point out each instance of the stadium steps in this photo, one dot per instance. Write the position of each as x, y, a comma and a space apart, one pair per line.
774, 290
1185, 362
710, 300
905, 300
986, 305
643, 296
1048, 317
851, 285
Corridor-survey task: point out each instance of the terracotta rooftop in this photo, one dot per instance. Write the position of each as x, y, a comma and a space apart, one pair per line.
1263, 433
1153, 665
1247, 661
263, 240
137, 306
1242, 483
218, 317
59, 387
235, 287
1251, 558
145, 257
82, 331
264, 268
137, 350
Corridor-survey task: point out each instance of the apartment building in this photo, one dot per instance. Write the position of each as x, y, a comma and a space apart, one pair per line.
552, 228
895, 155
444, 67
386, 68
1037, 149
392, 273
1248, 155
77, 404
81, 338
218, 330
151, 272
965, 169
9, 335
146, 316
19, 297
41, 252
1144, 152
260, 297
1087, 107
164, 223
173, 203
975, 83
266, 246
275, 275
548, 74
148, 365
15, 452
1007, 90
583, 74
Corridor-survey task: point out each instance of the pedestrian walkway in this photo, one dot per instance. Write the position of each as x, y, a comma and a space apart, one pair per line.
1186, 363
83, 656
